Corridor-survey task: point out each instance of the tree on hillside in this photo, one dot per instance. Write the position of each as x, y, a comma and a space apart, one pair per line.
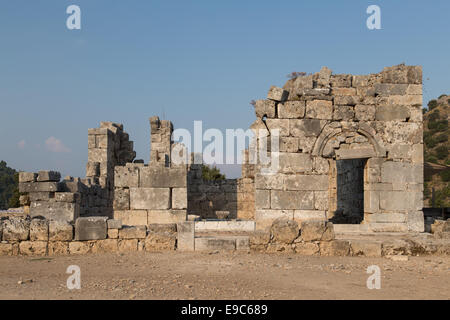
211, 174
9, 187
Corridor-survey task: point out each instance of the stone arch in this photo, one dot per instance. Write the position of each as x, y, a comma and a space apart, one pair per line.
334, 130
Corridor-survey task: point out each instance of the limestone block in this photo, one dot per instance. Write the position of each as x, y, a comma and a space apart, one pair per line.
415, 221
341, 80
186, 236
365, 112
7, 249
321, 200
401, 172
306, 127
392, 113
150, 198
265, 108
269, 182
307, 248
113, 233
27, 187
166, 216
92, 169
385, 218
41, 196
262, 199
371, 201
295, 162
133, 232
317, 230
291, 199
126, 177
128, 245
27, 176
335, 248
345, 113
46, 176
39, 230
60, 231
160, 241
33, 248
307, 215
319, 109
259, 240
79, 247
90, 228
179, 198
209, 243
291, 110
406, 100
284, 230
282, 125
277, 94
58, 248
306, 182
366, 248
401, 200
346, 100
114, 224
131, 217
121, 199
55, 210
105, 246
390, 89
402, 74
16, 229
162, 177
289, 144
343, 91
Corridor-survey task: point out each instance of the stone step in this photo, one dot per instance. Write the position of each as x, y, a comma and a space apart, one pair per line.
350, 228
370, 228
224, 226
222, 243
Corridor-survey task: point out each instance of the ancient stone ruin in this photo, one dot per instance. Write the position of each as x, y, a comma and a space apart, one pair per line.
350, 163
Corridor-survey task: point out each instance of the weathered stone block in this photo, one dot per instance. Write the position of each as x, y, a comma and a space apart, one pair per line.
179, 198
284, 230
82, 247
265, 108
392, 113
128, 245
365, 112
292, 110
319, 109
90, 228
114, 224
186, 236
306, 182
291, 199
269, 182
131, 217
27, 187
113, 233
402, 74
401, 172
295, 162
160, 241
27, 177
45, 176
367, 248
345, 113
92, 169
262, 199
105, 246
126, 177
277, 94
289, 144
162, 177
415, 221
133, 232
121, 199
33, 248
282, 125
307, 215
343, 91
307, 248
166, 216
335, 248
16, 229
150, 198
317, 230
63, 211
56, 248
341, 80
60, 231
347, 100
39, 230
209, 243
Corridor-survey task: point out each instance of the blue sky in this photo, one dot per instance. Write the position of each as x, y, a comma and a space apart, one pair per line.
185, 61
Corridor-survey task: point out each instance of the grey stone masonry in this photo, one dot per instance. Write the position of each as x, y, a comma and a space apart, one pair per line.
371, 122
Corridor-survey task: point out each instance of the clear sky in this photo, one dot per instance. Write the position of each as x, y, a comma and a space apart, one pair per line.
184, 61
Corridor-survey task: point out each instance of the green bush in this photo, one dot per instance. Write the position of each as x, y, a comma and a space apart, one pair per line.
430, 158
442, 125
442, 138
9, 190
445, 175
435, 115
211, 174
430, 142
442, 95
432, 104
441, 152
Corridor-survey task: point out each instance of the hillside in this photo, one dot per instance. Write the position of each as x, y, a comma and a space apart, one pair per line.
436, 151
9, 193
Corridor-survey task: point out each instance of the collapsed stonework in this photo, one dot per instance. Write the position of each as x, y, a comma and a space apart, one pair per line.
350, 158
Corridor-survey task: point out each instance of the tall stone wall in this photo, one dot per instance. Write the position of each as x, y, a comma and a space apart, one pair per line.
323, 118
155, 193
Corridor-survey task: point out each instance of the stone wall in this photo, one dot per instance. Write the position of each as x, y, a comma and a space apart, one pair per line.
153, 193
323, 118
237, 196
41, 237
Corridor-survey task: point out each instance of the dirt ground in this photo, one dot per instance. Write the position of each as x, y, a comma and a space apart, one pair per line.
215, 275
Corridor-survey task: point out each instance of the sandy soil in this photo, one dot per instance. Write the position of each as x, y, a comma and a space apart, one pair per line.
222, 276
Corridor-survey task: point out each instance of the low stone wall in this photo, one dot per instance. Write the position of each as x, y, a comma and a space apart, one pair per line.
41, 237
